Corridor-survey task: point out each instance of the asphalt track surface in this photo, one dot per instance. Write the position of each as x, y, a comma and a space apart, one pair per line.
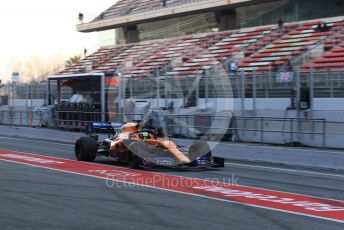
38, 198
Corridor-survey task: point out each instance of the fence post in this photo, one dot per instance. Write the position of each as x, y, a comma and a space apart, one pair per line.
27, 96
331, 85
197, 89
298, 98
48, 93
157, 77
254, 93
58, 91
242, 92
188, 124
166, 90
324, 133
291, 131
270, 78
119, 97
131, 87
311, 87
102, 97
206, 75
261, 129
11, 112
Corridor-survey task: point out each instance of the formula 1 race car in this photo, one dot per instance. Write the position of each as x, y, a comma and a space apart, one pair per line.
140, 147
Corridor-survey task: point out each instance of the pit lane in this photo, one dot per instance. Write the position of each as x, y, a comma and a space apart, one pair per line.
41, 198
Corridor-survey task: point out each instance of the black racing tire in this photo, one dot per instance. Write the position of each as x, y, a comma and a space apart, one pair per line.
85, 149
199, 148
137, 152
133, 161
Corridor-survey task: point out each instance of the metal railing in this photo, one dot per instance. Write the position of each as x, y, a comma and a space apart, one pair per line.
28, 118
317, 132
31, 91
218, 127
283, 84
289, 128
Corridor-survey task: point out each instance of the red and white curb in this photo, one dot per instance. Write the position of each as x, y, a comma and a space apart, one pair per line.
316, 207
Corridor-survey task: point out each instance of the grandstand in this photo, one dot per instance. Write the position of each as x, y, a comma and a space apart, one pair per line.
255, 48
156, 44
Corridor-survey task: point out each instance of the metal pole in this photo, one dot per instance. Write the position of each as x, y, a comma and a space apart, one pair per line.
131, 86
102, 96
261, 129
324, 133
254, 88
157, 79
242, 93
291, 132
27, 96
298, 97
298, 86
31, 96
12, 95
49, 93
119, 93
311, 88
331, 85
166, 91
197, 89
58, 92
206, 75
12, 107
270, 78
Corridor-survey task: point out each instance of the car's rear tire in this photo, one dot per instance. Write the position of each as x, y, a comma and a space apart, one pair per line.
85, 149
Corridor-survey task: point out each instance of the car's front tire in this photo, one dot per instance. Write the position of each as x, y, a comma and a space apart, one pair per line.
198, 149
138, 151
85, 149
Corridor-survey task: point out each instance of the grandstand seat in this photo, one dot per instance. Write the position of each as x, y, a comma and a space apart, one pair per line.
288, 46
95, 60
331, 60
231, 43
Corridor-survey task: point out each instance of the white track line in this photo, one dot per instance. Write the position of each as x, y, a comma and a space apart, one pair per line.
284, 148
287, 170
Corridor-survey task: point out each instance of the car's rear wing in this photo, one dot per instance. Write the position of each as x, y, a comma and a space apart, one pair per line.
103, 127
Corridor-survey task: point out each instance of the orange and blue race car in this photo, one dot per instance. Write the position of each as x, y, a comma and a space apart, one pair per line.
140, 147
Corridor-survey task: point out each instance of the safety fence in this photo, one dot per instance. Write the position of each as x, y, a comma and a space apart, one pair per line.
293, 131
201, 88
320, 84
28, 118
31, 91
